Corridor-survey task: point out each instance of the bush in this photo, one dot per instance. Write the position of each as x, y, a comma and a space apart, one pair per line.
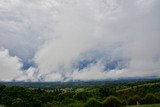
112, 101
133, 100
151, 99
92, 102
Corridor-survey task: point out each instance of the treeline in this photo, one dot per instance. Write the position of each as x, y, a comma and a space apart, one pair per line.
81, 84
98, 96
113, 101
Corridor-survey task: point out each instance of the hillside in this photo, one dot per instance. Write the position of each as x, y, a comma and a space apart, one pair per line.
71, 95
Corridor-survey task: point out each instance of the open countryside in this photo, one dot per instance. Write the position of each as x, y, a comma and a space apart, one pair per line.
118, 93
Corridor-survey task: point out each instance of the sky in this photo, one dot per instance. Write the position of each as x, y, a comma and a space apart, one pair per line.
70, 40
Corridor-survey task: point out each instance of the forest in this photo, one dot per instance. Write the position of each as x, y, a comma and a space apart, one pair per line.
106, 94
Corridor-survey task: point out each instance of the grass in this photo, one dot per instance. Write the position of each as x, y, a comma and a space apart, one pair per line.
152, 105
1, 106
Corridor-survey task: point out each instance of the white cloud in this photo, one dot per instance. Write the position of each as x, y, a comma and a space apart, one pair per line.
57, 34
9, 66
97, 72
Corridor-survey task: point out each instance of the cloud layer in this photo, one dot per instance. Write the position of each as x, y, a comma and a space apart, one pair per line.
61, 40
10, 66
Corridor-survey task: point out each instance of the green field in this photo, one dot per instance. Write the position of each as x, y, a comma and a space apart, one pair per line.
152, 105
1, 106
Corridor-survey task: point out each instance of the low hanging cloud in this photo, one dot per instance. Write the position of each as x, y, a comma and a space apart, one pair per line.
10, 66
61, 40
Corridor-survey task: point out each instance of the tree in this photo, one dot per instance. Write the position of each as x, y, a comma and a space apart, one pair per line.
124, 103
104, 91
6, 100
18, 102
151, 99
36, 103
82, 95
112, 101
133, 100
2, 87
48, 105
92, 102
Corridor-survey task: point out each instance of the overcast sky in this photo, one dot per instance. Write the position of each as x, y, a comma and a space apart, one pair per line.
65, 40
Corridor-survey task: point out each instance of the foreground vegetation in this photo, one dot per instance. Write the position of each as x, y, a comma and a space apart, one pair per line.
151, 105
106, 95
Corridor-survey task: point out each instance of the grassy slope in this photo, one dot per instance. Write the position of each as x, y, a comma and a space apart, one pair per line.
152, 105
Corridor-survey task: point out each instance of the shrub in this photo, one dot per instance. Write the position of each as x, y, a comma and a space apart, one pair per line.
92, 102
112, 101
